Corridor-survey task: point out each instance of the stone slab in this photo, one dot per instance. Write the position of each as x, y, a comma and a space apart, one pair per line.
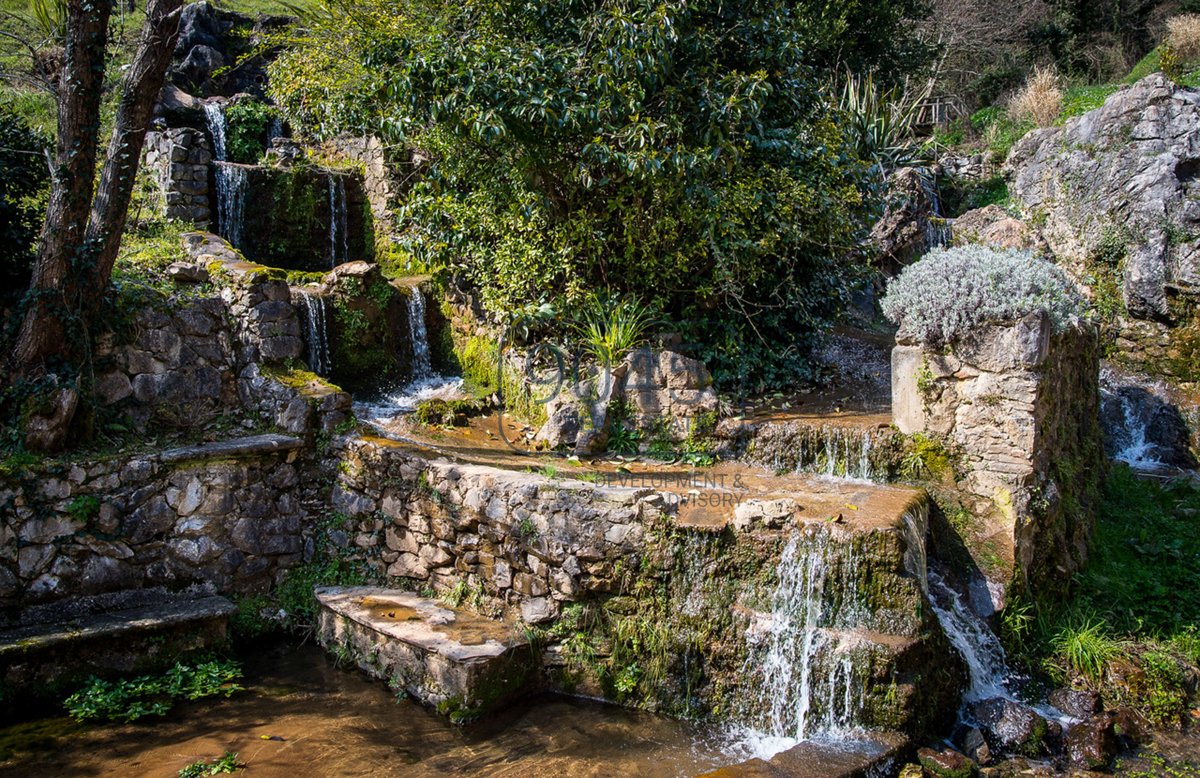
236, 448
38, 655
881, 755
461, 663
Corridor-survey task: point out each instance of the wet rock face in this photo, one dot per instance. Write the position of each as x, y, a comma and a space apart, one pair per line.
1010, 727
1124, 176
1143, 426
1092, 744
904, 232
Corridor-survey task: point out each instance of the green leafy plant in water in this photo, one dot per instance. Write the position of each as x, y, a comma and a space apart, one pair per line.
222, 765
150, 695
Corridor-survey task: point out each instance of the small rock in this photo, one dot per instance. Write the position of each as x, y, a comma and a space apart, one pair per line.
947, 763
187, 273
1010, 727
974, 745
1077, 703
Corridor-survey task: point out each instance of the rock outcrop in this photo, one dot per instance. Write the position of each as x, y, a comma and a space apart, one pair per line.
1121, 185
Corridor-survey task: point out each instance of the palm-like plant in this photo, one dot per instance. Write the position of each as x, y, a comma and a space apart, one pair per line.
883, 121
610, 327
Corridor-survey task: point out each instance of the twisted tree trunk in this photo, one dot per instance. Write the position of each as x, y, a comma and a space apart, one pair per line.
81, 235
143, 83
54, 291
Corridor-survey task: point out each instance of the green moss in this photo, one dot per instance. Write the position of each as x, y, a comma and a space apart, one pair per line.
446, 413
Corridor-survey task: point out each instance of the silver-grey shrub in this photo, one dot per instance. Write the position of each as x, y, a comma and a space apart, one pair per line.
952, 291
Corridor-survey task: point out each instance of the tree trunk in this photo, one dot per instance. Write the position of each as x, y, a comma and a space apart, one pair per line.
142, 85
54, 292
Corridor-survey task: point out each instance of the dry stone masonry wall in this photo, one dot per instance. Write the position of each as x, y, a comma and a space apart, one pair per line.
1019, 403
177, 162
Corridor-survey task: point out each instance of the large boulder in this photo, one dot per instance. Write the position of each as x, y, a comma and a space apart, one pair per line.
994, 226
1120, 186
1011, 727
910, 224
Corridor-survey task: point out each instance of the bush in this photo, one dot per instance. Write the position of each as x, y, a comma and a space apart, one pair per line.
249, 125
1183, 38
684, 155
24, 185
952, 291
1040, 100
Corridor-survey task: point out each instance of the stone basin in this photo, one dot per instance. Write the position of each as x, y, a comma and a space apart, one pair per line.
459, 662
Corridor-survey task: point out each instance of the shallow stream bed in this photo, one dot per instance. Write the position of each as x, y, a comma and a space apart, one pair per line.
302, 716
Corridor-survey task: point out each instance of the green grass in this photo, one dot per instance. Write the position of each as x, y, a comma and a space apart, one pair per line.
153, 695
1137, 601
1078, 100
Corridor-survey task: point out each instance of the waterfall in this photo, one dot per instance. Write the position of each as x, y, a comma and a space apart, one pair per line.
339, 233
316, 333
214, 117
833, 452
973, 638
803, 668
1128, 429
231, 201
422, 366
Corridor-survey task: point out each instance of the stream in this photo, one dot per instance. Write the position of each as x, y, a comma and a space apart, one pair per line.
300, 710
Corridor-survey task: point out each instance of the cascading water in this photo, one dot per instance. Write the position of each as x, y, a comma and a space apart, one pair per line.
230, 179
810, 687
339, 233
973, 638
836, 452
316, 333
422, 366
214, 117
231, 201
424, 383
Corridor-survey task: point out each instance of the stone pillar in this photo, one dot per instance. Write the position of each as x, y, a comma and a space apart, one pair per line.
1019, 404
177, 160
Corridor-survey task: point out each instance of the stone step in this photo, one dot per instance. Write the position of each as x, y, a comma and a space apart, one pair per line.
57, 646
881, 754
461, 663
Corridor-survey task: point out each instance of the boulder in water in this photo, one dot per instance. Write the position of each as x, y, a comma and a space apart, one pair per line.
1092, 744
1011, 727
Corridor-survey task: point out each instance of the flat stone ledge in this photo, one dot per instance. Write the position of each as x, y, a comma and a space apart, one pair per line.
112, 625
236, 448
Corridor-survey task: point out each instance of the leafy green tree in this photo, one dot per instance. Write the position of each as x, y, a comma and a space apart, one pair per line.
24, 182
685, 154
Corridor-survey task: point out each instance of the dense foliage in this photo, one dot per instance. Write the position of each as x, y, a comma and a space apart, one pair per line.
24, 183
952, 291
685, 155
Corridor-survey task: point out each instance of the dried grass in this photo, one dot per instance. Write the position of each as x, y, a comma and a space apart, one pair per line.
1040, 100
1183, 37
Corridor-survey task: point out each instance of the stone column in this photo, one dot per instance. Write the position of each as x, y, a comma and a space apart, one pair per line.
1019, 404
177, 160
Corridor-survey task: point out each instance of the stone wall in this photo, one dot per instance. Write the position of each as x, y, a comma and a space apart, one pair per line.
541, 548
234, 514
177, 162
382, 179
1019, 405
180, 363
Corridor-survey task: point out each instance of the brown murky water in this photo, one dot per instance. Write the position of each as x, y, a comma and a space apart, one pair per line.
303, 717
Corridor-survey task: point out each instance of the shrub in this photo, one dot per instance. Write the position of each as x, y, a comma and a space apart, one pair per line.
24, 184
150, 695
952, 291
1183, 37
1040, 100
